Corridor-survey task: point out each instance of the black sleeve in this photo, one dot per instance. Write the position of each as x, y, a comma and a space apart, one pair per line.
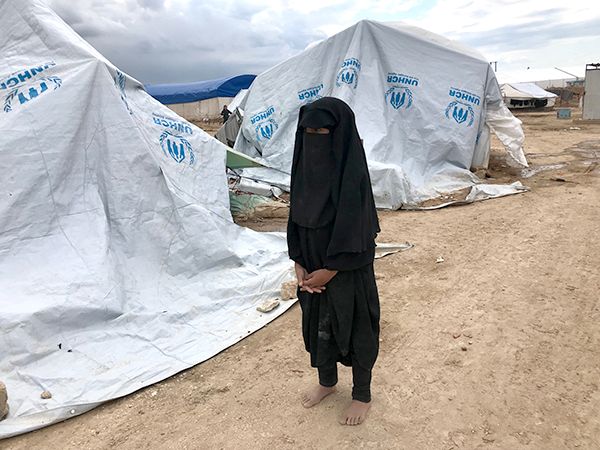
293, 241
350, 261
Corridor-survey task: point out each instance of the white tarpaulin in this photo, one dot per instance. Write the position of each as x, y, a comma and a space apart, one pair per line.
119, 261
423, 105
525, 91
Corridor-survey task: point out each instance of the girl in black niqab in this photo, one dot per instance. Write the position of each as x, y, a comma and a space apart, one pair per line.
331, 237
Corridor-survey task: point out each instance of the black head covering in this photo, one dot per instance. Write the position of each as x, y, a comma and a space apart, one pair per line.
330, 178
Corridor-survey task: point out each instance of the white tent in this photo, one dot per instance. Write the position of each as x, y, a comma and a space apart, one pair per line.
119, 261
423, 106
542, 77
526, 95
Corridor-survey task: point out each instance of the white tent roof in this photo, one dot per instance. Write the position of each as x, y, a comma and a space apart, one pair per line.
120, 264
237, 100
524, 91
539, 74
423, 105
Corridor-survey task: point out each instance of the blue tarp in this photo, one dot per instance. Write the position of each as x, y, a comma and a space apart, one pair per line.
168, 94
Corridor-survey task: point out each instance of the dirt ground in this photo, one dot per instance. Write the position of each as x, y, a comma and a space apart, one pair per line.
496, 347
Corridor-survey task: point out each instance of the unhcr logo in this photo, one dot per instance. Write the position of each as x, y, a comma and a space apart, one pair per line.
176, 146
311, 94
348, 74
26, 93
265, 130
460, 112
399, 97
120, 83
265, 125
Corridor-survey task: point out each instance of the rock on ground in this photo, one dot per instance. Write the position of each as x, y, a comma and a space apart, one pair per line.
3, 401
268, 305
289, 290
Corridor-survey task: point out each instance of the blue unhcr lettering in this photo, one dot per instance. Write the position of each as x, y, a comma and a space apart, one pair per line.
352, 62
465, 95
36, 70
400, 78
312, 92
24, 76
170, 124
262, 115
21, 77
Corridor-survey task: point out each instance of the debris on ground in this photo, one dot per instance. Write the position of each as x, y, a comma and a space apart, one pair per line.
4, 408
289, 290
268, 305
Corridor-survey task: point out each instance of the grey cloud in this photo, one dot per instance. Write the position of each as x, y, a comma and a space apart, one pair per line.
548, 14
533, 35
152, 4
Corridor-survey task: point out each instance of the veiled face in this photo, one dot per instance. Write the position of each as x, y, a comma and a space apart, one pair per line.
317, 130
317, 157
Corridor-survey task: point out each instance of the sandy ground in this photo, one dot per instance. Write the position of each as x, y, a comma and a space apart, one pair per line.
494, 348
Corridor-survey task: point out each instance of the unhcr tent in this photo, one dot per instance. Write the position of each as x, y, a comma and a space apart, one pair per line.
424, 106
200, 100
119, 261
526, 95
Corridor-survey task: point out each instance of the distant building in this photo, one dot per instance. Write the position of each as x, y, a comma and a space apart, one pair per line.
591, 99
200, 100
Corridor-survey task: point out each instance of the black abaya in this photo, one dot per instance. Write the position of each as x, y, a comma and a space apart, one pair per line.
333, 226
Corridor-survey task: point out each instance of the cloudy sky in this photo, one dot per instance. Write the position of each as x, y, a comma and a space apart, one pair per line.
179, 41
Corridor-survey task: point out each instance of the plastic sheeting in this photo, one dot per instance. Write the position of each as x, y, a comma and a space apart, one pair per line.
169, 94
524, 91
119, 261
422, 106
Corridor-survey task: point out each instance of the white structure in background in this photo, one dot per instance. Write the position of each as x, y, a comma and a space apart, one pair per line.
591, 100
526, 95
424, 106
544, 78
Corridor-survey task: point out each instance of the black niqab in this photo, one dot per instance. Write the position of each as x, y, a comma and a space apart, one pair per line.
330, 178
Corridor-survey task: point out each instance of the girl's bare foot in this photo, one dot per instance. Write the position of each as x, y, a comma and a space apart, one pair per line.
356, 413
314, 396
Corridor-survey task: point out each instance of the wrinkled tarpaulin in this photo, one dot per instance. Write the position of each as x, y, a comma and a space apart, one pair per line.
119, 261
